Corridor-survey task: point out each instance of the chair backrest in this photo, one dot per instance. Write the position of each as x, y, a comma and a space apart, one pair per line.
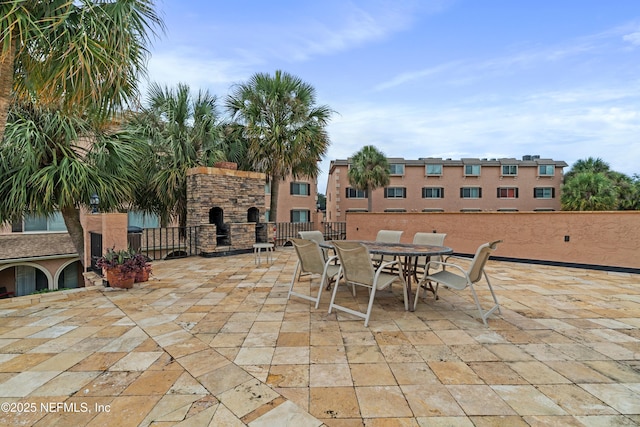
355, 261
436, 239
388, 236
312, 235
480, 259
310, 255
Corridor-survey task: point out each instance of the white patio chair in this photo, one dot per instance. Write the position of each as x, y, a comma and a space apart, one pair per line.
311, 261
312, 235
435, 239
386, 236
357, 270
466, 278
316, 236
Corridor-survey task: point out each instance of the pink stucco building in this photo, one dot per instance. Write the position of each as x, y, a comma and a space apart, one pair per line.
446, 185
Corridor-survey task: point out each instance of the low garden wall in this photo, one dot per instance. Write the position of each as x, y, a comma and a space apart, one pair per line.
608, 240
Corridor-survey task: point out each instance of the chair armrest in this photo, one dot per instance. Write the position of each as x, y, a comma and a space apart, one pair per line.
387, 264
444, 265
462, 258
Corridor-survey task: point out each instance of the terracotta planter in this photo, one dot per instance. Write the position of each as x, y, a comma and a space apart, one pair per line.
142, 275
119, 279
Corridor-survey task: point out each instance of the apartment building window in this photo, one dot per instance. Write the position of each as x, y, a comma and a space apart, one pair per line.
352, 193
507, 193
470, 193
396, 168
546, 170
544, 193
432, 192
53, 222
509, 170
472, 170
433, 170
142, 220
300, 188
395, 193
300, 215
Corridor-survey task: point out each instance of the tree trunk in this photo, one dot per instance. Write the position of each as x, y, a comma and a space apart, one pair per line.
273, 205
6, 84
71, 217
369, 200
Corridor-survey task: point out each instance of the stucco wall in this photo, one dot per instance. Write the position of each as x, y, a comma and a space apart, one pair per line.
595, 238
288, 202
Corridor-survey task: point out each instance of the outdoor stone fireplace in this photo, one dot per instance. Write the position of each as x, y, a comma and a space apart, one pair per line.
227, 207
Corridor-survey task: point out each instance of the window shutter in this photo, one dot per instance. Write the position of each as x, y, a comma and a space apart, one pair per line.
480, 193
291, 188
385, 193
535, 193
553, 193
308, 188
461, 193
404, 193
516, 193
498, 195
442, 192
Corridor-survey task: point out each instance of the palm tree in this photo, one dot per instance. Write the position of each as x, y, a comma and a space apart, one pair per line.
52, 162
590, 164
589, 191
234, 145
624, 187
78, 55
284, 129
369, 170
627, 191
182, 132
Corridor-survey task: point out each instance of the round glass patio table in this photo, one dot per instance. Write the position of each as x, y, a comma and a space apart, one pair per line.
408, 253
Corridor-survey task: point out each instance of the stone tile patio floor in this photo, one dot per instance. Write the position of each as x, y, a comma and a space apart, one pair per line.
214, 341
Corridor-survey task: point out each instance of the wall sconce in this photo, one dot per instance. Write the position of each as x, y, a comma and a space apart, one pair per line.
94, 202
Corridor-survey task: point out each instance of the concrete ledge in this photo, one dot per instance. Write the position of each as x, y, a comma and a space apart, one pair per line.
33, 299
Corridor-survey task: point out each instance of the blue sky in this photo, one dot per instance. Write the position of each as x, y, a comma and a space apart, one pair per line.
430, 78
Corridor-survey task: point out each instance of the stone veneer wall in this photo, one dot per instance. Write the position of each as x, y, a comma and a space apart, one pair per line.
235, 192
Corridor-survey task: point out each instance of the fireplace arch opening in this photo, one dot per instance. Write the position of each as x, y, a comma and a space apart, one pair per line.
216, 216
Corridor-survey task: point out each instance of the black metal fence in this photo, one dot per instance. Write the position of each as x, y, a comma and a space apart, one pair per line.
288, 230
181, 242
334, 230
168, 243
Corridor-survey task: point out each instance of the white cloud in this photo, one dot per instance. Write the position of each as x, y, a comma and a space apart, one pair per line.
459, 72
571, 125
633, 38
199, 71
343, 27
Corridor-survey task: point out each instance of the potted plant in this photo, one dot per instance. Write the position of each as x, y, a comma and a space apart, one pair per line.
142, 267
119, 266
